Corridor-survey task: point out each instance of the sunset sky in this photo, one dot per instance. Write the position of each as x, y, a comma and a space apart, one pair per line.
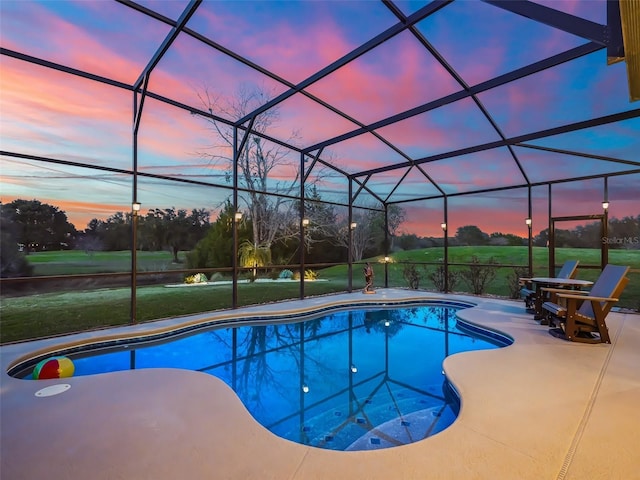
46, 113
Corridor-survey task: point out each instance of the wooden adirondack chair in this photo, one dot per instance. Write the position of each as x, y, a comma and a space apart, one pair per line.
583, 315
528, 291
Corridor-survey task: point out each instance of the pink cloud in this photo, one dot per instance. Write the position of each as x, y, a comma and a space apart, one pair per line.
53, 114
392, 78
293, 50
86, 45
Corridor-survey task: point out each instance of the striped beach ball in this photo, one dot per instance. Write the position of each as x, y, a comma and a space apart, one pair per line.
54, 367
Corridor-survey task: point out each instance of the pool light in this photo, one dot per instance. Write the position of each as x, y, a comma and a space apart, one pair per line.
305, 388
354, 369
387, 323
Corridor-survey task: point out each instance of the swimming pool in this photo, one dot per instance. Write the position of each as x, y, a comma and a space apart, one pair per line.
346, 380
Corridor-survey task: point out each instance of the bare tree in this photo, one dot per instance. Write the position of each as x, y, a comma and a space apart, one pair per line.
396, 217
273, 217
362, 236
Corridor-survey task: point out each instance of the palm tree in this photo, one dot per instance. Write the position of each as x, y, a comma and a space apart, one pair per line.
252, 255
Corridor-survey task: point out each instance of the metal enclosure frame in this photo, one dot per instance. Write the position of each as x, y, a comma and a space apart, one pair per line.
596, 37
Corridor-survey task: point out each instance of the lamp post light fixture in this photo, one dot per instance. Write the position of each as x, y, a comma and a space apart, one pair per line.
605, 205
387, 261
528, 222
305, 222
443, 226
135, 208
353, 225
238, 216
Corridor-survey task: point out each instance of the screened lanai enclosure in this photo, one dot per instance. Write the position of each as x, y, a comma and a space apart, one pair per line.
169, 157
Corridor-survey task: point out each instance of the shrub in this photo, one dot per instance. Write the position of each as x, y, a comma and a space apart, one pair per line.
286, 274
196, 278
12, 261
513, 280
308, 275
216, 277
478, 276
412, 275
273, 274
437, 278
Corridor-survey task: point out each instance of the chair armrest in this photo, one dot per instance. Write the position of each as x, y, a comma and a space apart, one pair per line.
564, 290
587, 298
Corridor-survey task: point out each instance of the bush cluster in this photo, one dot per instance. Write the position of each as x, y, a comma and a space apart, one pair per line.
479, 275
196, 278
286, 274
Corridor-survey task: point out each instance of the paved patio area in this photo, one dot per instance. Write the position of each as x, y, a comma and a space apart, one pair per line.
540, 409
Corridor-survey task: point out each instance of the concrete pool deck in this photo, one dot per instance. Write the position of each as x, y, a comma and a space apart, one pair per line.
542, 408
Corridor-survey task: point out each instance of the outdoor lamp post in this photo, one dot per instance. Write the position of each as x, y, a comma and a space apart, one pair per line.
445, 239
386, 272
135, 208
304, 223
605, 223
529, 244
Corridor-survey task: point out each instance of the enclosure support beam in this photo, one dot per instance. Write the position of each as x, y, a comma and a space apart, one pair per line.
386, 245
529, 228
350, 238
301, 225
605, 225
137, 116
446, 246
551, 240
234, 256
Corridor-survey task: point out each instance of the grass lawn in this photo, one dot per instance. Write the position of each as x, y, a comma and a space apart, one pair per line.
75, 262
47, 314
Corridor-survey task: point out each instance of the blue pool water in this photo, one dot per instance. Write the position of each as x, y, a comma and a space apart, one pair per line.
347, 380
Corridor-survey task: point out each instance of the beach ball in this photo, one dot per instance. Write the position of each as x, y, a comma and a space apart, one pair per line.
54, 367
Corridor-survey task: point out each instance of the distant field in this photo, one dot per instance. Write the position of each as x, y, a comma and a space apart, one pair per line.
89, 306
74, 262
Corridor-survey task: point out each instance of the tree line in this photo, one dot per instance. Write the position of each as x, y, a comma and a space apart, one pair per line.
30, 225
622, 233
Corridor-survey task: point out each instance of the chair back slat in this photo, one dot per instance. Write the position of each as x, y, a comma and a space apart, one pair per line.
569, 269
609, 284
